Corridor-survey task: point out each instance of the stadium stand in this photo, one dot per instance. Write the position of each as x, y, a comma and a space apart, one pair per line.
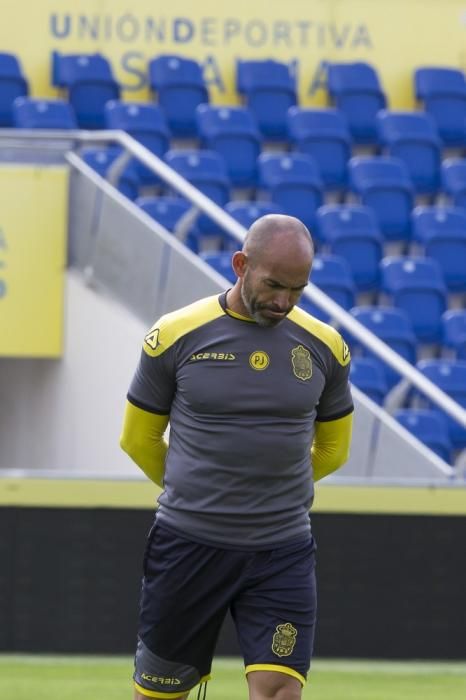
179, 87
384, 184
169, 212
441, 234
89, 84
246, 212
269, 90
235, 151
221, 262
454, 332
31, 113
232, 132
391, 325
351, 231
207, 171
101, 159
430, 427
332, 274
453, 173
323, 134
367, 374
441, 92
293, 182
416, 285
13, 84
356, 90
413, 137
449, 375
146, 123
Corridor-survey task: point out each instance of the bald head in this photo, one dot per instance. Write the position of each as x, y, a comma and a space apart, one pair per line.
277, 235
272, 269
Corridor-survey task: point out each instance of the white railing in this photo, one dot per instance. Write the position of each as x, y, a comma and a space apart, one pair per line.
13, 139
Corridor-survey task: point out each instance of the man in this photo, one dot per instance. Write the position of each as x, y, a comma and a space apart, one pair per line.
257, 395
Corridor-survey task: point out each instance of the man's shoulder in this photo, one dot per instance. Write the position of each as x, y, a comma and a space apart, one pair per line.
328, 335
171, 327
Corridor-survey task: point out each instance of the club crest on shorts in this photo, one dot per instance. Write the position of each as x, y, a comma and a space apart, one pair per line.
284, 639
301, 362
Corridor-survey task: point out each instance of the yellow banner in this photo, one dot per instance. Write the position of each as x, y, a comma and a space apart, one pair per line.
32, 260
395, 36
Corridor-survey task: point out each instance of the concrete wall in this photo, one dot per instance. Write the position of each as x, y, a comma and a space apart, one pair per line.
66, 414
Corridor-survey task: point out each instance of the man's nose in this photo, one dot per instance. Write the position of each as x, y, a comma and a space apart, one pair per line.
282, 299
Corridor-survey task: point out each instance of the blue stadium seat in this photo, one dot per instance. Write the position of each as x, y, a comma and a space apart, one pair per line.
232, 131
207, 171
454, 332
100, 160
430, 427
367, 374
168, 211
146, 123
453, 172
442, 94
179, 86
269, 90
221, 262
394, 327
356, 90
30, 113
245, 213
384, 185
332, 275
324, 135
352, 232
89, 82
416, 285
413, 137
450, 376
293, 182
13, 84
441, 231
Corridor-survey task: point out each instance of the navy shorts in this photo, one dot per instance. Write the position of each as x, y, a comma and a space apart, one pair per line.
187, 590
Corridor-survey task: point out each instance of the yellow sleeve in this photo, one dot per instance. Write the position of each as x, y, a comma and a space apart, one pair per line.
142, 439
331, 445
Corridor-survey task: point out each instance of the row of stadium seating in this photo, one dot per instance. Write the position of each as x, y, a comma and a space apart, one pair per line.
268, 87
411, 156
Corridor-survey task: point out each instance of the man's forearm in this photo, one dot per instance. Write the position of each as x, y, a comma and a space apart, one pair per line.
331, 445
142, 439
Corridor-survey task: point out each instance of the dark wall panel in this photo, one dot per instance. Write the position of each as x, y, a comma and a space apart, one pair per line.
390, 586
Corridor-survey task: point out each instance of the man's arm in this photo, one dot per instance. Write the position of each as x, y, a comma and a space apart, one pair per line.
142, 439
331, 445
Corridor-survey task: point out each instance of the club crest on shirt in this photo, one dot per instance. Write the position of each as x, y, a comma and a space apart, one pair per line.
284, 639
301, 363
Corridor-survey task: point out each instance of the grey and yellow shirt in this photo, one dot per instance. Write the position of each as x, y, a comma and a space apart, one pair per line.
242, 401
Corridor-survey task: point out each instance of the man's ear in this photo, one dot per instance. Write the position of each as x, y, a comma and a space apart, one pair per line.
239, 263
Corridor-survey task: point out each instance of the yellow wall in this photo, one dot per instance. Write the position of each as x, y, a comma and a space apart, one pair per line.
32, 259
373, 500
395, 36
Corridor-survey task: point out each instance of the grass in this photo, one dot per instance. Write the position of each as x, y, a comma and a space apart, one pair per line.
23, 677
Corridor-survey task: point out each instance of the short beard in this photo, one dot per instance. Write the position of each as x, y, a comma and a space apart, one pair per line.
255, 313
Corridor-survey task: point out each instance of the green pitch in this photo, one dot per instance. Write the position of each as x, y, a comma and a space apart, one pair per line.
86, 678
